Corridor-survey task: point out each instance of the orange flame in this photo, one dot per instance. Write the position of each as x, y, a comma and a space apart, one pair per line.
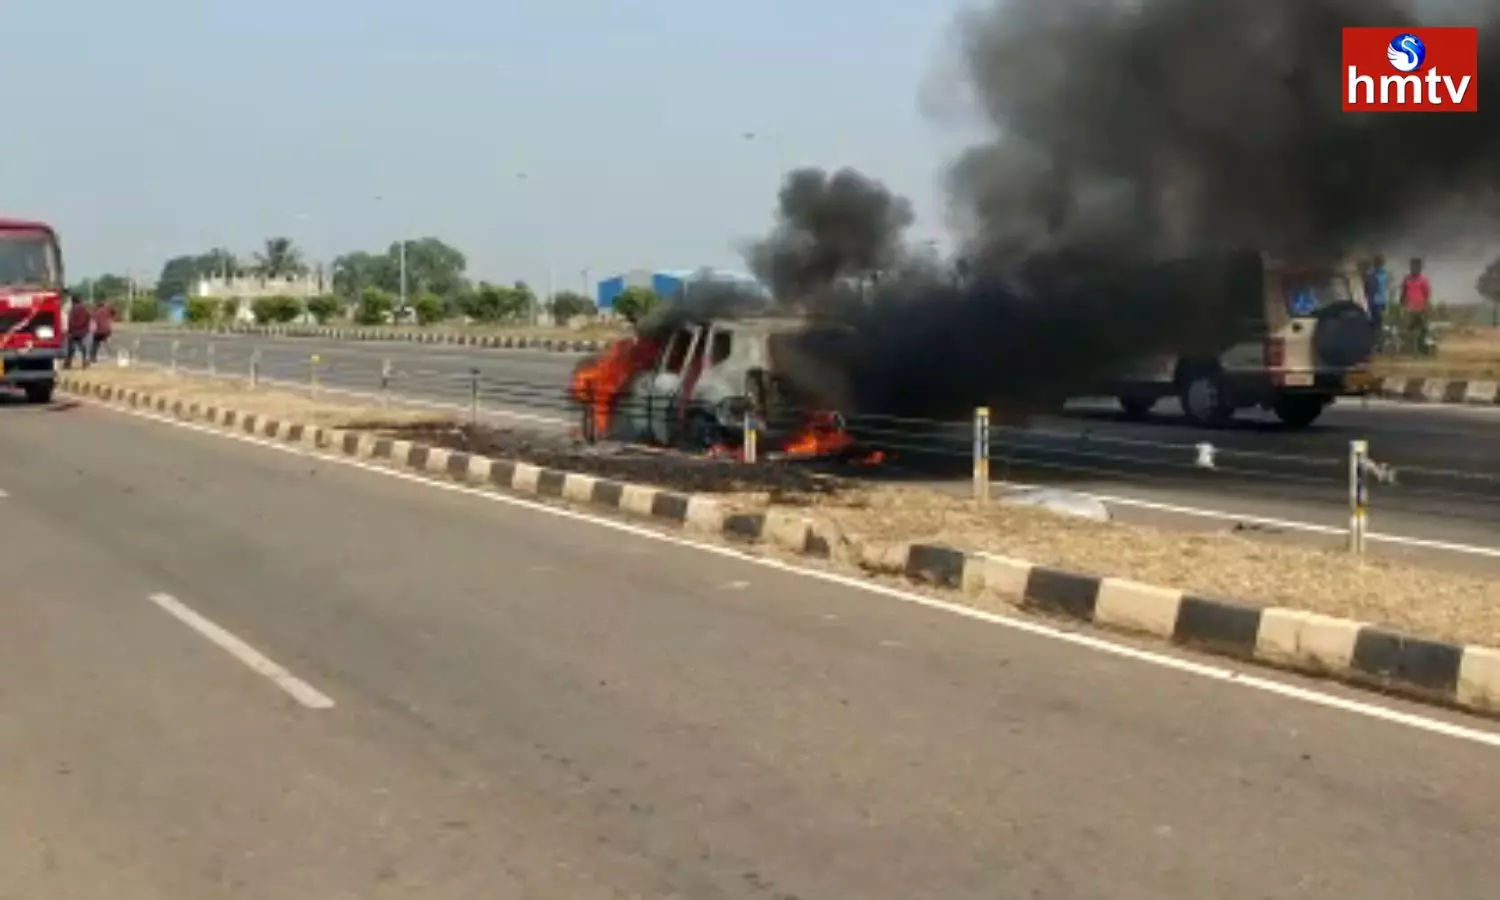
600, 383
823, 435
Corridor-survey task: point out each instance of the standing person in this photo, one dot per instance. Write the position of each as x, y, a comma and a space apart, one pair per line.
104, 326
1376, 283
80, 321
1416, 300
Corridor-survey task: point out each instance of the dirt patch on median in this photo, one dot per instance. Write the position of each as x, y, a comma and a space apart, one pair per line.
1417, 600
237, 394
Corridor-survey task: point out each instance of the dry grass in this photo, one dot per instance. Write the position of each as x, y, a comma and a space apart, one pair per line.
1414, 599
1471, 352
1417, 600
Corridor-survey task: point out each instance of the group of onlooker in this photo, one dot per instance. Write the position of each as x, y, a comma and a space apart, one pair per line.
89, 329
1411, 316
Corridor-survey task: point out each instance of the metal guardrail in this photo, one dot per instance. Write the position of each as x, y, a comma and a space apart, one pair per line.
989, 449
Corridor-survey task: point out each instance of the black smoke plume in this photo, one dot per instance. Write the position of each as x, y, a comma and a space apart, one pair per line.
830, 230
1139, 146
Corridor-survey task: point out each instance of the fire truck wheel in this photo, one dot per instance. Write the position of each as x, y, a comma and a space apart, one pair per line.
39, 392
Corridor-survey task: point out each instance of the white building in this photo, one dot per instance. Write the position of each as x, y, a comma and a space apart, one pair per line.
253, 286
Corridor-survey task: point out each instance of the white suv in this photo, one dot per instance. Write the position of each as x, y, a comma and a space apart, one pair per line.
1312, 342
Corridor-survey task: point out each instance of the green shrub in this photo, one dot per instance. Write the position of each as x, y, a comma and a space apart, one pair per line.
324, 307
145, 309
264, 310
276, 310
493, 303
375, 307
287, 309
430, 309
200, 311
569, 305
635, 303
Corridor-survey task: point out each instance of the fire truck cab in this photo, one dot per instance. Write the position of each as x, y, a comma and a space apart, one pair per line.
31, 308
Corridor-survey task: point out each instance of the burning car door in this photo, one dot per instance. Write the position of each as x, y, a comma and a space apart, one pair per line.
653, 410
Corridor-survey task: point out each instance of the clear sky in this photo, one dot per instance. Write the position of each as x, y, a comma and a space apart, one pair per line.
161, 127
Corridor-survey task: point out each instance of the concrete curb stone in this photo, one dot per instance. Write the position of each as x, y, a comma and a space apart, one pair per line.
1460, 675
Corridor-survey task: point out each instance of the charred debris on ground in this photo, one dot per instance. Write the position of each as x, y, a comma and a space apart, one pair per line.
618, 461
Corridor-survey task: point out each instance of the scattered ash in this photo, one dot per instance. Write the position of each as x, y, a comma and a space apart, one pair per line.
618, 461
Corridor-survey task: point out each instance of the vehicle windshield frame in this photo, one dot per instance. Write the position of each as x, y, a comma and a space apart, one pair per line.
1327, 287
12, 267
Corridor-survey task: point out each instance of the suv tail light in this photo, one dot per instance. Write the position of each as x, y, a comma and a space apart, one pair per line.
1275, 353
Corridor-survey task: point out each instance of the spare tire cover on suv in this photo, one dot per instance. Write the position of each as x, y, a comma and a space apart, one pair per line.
1343, 337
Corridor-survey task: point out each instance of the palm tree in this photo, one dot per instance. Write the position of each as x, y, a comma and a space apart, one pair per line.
279, 259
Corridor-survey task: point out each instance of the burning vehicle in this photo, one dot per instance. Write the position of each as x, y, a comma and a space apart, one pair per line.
1120, 228
700, 383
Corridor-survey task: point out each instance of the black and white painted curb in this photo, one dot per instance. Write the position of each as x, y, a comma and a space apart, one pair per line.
1460, 675
1458, 391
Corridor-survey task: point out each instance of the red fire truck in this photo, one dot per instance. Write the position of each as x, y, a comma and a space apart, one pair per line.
31, 307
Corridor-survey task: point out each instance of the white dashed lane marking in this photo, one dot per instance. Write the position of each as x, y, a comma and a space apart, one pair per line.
301, 691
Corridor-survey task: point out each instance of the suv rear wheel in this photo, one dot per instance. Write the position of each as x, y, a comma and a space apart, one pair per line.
1205, 399
1299, 410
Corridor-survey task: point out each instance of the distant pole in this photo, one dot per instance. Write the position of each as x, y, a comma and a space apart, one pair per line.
551, 292
402, 255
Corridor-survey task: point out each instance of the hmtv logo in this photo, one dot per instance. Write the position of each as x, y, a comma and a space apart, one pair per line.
1411, 70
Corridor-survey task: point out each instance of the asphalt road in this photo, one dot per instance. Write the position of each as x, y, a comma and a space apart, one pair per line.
527, 705
1444, 504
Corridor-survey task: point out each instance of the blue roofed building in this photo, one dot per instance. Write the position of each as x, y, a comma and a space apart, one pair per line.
667, 283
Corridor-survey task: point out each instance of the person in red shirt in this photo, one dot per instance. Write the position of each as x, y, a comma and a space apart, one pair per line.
1416, 290
80, 321
104, 326
1416, 300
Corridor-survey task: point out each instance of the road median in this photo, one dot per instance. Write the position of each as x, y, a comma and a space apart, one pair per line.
1410, 383
1409, 630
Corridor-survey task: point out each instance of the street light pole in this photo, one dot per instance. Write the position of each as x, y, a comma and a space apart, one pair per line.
402, 255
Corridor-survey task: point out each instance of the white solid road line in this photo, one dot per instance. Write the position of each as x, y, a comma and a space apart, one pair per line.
301, 691
1034, 627
1286, 524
